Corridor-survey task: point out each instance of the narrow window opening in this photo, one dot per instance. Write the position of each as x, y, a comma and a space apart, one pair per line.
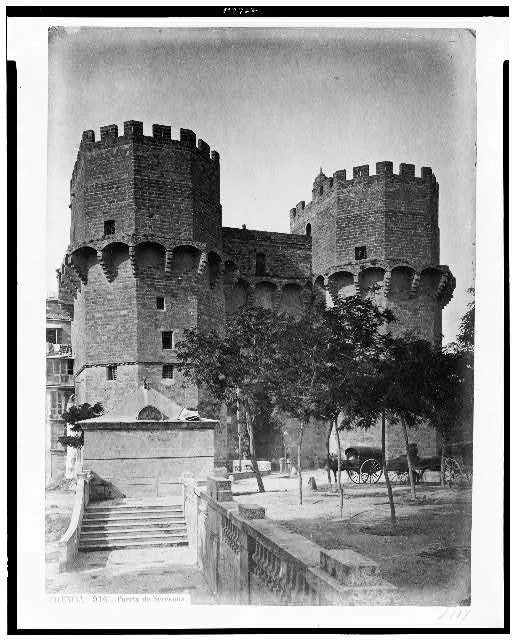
160, 304
112, 372
109, 227
167, 371
308, 229
167, 340
360, 253
260, 264
70, 367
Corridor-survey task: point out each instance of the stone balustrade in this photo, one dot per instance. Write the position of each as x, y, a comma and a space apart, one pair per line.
249, 559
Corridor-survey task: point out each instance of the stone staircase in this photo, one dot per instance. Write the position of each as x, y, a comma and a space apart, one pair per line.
128, 525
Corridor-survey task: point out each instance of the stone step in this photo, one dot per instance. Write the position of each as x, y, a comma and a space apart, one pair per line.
136, 517
133, 504
125, 544
131, 536
163, 531
145, 509
114, 526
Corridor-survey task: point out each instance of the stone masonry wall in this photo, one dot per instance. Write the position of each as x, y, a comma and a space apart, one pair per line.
393, 216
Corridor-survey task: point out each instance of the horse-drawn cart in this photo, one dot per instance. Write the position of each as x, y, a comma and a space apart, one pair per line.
355, 458
365, 464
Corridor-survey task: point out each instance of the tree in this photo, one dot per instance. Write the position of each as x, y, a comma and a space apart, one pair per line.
304, 349
237, 366
451, 404
73, 415
320, 355
357, 325
466, 334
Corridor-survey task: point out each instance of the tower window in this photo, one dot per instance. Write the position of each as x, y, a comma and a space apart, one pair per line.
308, 229
112, 372
360, 253
109, 228
159, 303
167, 340
167, 371
260, 264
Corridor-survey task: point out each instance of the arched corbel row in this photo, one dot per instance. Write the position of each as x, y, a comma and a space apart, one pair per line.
203, 263
415, 283
73, 282
276, 297
133, 261
168, 260
220, 276
79, 273
105, 266
442, 284
387, 282
306, 296
251, 294
356, 284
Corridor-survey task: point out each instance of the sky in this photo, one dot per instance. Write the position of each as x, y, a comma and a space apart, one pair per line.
277, 104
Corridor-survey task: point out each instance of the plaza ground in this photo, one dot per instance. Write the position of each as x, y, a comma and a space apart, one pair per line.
428, 559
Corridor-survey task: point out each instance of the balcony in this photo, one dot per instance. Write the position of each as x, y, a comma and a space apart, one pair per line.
58, 349
61, 379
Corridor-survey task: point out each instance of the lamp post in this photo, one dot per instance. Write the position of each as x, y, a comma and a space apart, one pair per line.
284, 436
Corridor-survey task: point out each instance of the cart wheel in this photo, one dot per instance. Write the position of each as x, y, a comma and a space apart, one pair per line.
371, 471
399, 477
354, 476
452, 471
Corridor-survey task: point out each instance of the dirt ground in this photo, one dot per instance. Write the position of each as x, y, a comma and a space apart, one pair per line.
428, 558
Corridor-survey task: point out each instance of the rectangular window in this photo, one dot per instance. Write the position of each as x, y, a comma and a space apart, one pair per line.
167, 371
160, 304
360, 253
112, 372
70, 367
167, 340
109, 228
54, 335
58, 365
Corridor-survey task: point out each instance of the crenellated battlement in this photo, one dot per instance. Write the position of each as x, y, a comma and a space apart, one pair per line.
325, 186
161, 134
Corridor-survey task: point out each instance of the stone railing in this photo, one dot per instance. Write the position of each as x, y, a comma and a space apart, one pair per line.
248, 559
69, 543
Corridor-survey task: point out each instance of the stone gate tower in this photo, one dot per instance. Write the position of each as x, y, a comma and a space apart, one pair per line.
379, 235
143, 263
